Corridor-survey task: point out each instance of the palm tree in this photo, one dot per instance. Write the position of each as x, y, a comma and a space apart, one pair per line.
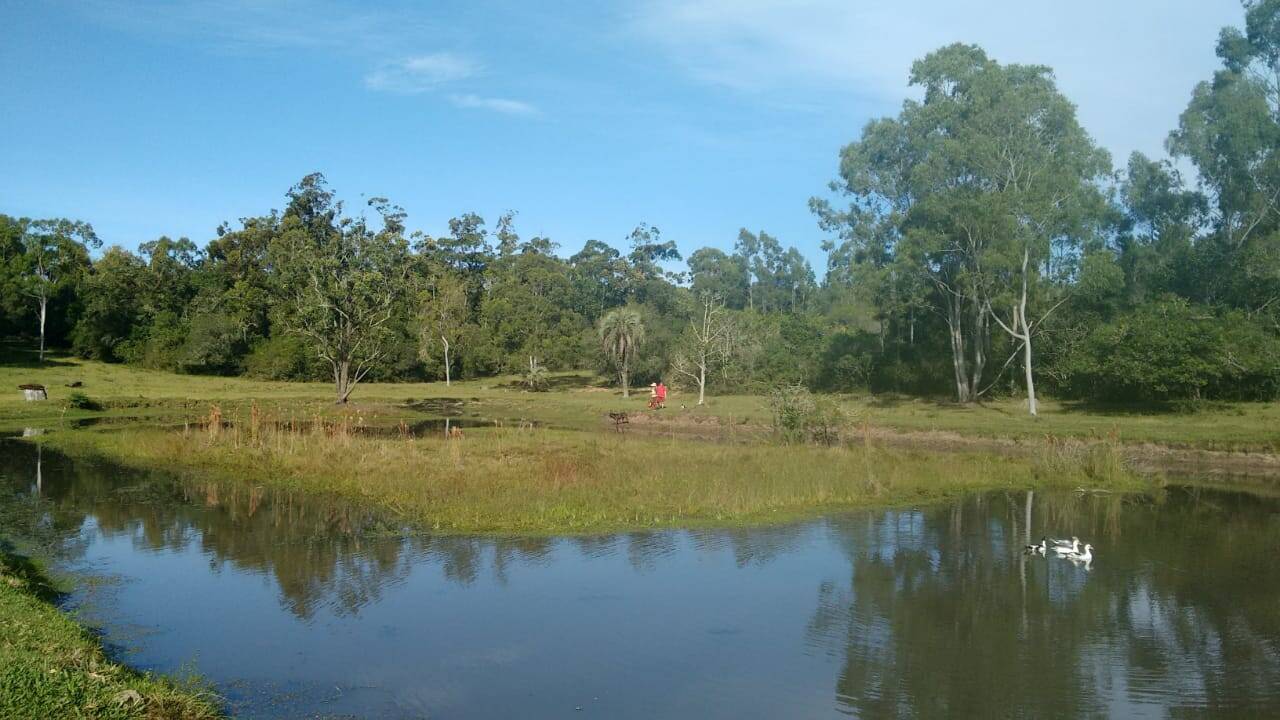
622, 332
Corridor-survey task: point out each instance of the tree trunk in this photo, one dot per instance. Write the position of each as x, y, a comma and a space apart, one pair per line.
446, 361
702, 383
979, 344
1026, 361
342, 379
1026, 335
626, 389
44, 307
958, 351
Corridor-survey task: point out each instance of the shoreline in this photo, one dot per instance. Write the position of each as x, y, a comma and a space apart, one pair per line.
56, 667
549, 482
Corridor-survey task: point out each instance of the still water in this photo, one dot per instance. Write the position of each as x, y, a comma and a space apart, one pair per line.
299, 608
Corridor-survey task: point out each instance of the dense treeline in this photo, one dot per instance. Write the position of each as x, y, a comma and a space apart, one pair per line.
981, 243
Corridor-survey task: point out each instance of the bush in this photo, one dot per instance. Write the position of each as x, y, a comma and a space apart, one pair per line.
80, 401
285, 357
799, 416
212, 346
535, 377
1171, 351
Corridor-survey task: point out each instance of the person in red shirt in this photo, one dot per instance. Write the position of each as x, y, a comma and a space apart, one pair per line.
661, 395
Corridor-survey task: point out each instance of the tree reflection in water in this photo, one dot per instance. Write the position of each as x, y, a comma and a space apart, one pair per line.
927, 613
943, 616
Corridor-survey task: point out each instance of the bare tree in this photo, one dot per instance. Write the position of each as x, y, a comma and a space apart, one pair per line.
705, 343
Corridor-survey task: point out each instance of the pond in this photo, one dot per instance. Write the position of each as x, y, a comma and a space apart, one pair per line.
296, 607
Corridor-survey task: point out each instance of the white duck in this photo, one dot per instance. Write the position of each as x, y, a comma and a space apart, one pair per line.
1086, 556
1069, 549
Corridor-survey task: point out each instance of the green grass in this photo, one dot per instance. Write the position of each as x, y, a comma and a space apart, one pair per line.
50, 667
551, 481
580, 402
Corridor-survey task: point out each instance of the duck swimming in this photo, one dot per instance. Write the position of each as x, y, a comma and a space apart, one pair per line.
1068, 549
1072, 543
1036, 549
1085, 557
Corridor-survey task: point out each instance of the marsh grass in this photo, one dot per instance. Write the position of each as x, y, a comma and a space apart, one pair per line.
50, 667
536, 480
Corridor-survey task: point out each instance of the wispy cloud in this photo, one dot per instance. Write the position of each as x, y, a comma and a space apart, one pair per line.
1129, 65
501, 105
420, 73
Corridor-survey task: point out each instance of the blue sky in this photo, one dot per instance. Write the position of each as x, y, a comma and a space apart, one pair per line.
700, 117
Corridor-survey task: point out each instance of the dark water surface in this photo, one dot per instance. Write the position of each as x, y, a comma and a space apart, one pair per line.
298, 608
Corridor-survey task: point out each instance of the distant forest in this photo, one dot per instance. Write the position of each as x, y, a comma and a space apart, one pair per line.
979, 244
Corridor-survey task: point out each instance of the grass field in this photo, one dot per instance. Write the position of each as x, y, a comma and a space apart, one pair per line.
50, 667
580, 402
539, 481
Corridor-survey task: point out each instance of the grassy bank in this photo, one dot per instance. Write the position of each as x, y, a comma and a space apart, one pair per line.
581, 402
50, 667
549, 481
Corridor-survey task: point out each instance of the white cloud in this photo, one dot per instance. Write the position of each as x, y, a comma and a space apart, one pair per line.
420, 73
502, 105
1130, 65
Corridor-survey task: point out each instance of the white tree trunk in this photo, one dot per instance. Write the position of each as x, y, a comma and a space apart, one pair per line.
447, 382
1031, 383
1026, 337
702, 383
44, 307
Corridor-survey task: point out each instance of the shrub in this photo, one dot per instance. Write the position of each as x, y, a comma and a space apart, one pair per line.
1171, 351
800, 417
285, 357
80, 401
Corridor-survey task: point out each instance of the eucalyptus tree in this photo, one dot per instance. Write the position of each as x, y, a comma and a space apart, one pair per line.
1230, 131
900, 223
54, 256
982, 189
442, 315
727, 276
1028, 177
648, 251
622, 333
1160, 218
341, 279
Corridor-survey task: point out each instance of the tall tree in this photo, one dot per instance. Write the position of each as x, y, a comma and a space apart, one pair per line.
505, 233
984, 188
1230, 131
622, 333
443, 316
727, 276
342, 279
54, 256
1028, 173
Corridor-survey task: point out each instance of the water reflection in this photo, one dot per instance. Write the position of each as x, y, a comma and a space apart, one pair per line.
940, 609
298, 606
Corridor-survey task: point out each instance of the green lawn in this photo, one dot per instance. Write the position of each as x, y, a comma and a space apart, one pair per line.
582, 402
